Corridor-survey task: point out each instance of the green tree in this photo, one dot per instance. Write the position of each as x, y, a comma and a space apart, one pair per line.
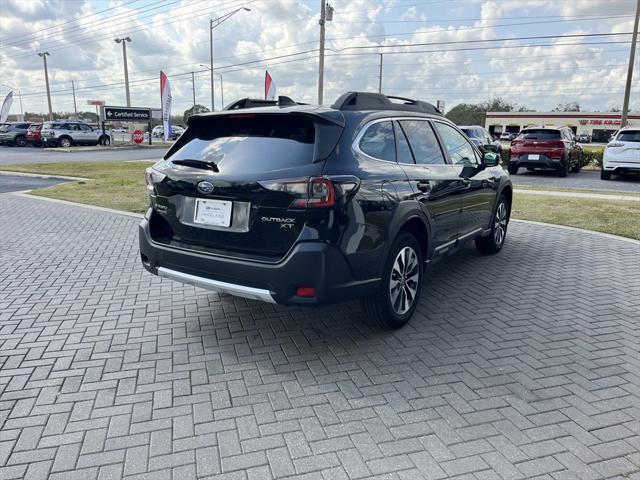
193, 111
567, 107
476, 113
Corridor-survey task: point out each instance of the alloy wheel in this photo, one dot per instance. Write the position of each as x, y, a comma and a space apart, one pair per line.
404, 281
500, 226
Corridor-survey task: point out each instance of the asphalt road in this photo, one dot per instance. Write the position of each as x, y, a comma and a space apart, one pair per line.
584, 180
15, 155
10, 183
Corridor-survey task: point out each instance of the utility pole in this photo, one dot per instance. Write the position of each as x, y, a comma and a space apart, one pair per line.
632, 57
193, 89
213, 24
213, 104
221, 92
46, 80
126, 70
73, 89
380, 76
321, 59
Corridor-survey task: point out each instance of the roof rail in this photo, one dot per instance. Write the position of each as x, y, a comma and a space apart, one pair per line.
282, 101
378, 101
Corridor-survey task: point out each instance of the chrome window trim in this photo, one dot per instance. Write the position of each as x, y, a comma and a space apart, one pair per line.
356, 143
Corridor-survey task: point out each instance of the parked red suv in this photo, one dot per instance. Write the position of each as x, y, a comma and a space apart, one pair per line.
552, 148
34, 134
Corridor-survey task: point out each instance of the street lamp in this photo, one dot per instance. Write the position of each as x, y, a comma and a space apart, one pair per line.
19, 97
46, 80
213, 24
124, 41
221, 83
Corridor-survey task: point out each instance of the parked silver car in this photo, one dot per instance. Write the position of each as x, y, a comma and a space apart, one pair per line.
65, 133
482, 138
14, 134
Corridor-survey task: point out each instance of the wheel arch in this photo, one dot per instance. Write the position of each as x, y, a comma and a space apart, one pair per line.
412, 220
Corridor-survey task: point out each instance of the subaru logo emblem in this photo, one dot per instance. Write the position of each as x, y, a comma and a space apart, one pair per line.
205, 187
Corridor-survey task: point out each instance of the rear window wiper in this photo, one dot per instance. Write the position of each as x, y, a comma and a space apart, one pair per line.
204, 164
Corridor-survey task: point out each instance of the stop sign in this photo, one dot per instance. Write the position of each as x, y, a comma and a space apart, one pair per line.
138, 136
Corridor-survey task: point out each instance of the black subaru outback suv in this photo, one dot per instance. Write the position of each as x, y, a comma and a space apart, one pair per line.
308, 205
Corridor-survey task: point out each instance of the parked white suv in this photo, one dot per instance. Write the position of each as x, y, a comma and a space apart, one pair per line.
65, 133
622, 154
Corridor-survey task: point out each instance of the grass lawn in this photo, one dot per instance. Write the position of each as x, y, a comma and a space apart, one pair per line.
120, 185
608, 216
578, 190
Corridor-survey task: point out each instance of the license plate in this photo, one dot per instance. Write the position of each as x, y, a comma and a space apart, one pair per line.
213, 212
534, 157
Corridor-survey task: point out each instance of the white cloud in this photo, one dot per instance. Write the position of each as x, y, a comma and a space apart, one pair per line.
177, 41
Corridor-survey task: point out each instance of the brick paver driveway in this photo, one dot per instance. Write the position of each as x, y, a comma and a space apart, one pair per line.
526, 364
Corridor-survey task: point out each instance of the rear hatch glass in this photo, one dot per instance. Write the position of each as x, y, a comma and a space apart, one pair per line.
540, 134
629, 136
249, 162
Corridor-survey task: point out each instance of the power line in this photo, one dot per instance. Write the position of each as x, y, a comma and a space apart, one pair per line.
3, 40
102, 20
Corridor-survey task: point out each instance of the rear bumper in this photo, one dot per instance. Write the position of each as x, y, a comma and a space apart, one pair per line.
309, 264
620, 167
543, 162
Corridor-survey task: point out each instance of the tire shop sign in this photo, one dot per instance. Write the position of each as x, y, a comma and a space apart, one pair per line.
125, 114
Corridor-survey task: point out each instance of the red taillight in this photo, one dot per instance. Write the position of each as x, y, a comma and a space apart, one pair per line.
307, 292
314, 192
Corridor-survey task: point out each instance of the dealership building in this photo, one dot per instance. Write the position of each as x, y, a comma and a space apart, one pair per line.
599, 126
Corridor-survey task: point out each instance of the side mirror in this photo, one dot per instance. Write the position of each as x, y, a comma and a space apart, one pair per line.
490, 159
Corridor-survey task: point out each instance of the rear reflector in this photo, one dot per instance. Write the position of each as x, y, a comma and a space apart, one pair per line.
307, 292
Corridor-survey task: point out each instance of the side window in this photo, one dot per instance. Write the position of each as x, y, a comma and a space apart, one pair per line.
423, 141
378, 141
85, 128
460, 151
404, 151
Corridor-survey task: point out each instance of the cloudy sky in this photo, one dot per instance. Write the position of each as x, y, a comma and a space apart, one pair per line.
433, 49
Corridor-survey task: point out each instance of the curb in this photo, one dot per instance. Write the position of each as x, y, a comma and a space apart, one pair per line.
104, 149
24, 194
40, 175
139, 215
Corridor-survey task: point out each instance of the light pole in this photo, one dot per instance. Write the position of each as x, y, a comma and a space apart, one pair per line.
19, 98
124, 41
632, 56
44, 56
213, 23
221, 83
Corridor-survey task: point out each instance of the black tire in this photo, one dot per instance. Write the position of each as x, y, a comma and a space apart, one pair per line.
20, 141
493, 242
578, 166
605, 175
513, 170
65, 142
563, 171
380, 308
